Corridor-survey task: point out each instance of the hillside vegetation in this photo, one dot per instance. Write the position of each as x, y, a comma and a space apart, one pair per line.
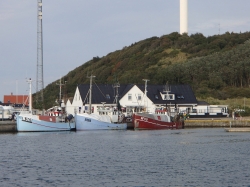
216, 66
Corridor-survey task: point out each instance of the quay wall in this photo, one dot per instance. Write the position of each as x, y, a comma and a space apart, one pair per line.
226, 122
8, 126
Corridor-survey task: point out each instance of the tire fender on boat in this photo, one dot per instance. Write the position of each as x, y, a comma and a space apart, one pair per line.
136, 124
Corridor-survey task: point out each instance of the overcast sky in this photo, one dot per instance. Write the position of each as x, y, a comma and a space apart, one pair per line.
76, 31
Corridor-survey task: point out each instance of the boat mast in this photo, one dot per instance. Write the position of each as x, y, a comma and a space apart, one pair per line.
116, 86
167, 90
60, 92
90, 94
30, 96
145, 93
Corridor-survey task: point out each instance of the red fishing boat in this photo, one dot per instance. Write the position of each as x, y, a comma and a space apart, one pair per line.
160, 119
156, 121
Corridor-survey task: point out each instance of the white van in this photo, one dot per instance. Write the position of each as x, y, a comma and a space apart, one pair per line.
6, 112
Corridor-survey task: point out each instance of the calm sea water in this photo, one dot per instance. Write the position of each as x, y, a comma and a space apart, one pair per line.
187, 157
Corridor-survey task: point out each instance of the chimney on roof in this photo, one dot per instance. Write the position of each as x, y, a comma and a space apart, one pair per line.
11, 93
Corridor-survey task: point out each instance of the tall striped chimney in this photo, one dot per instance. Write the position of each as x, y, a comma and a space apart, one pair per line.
183, 16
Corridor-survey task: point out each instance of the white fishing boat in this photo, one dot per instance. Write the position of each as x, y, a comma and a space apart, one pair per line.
53, 120
105, 120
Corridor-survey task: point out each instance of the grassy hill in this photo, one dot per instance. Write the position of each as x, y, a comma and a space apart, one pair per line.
216, 66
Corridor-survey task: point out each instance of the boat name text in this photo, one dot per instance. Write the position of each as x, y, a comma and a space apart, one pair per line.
87, 119
27, 119
144, 119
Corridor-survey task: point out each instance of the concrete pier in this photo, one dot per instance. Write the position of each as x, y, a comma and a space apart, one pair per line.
237, 129
8, 126
217, 122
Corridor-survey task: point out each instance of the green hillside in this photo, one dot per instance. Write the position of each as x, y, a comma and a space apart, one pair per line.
216, 66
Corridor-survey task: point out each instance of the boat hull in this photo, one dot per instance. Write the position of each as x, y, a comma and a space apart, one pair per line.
87, 122
148, 121
35, 123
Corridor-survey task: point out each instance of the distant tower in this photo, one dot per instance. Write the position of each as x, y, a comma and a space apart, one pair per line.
183, 16
39, 73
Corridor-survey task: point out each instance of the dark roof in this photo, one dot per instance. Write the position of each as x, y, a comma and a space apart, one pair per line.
14, 105
183, 94
100, 93
103, 92
71, 99
6, 104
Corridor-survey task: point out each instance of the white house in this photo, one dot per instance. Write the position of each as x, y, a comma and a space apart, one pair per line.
134, 98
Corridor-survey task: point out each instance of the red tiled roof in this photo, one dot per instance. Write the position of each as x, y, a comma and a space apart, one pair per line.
24, 99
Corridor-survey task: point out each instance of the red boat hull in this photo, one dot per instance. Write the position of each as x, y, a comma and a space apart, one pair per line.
146, 122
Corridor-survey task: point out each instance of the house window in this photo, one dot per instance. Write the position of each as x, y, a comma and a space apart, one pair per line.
165, 97
139, 96
168, 97
107, 96
129, 97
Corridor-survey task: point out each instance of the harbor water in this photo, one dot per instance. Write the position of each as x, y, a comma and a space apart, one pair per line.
186, 157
